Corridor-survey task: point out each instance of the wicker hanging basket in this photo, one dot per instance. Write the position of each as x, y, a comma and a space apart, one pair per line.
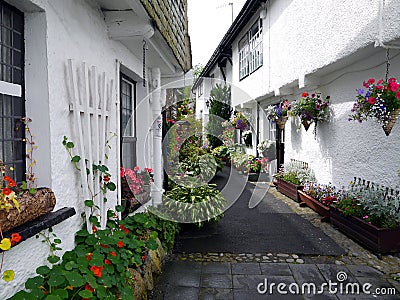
393, 118
281, 122
306, 124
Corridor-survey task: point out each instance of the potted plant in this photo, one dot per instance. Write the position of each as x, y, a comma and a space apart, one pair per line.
279, 113
380, 101
257, 167
311, 109
268, 149
319, 197
370, 215
291, 178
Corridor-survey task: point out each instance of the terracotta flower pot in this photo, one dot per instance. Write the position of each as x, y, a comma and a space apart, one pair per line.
31, 207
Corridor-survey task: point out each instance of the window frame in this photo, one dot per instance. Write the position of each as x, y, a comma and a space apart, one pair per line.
251, 54
12, 89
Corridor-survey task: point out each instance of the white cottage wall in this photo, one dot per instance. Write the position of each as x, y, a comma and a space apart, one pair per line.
64, 30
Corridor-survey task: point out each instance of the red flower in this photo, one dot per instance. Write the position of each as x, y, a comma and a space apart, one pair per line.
379, 81
94, 228
89, 256
136, 169
107, 261
7, 178
89, 288
120, 244
126, 231
106, 178
392, 79
15, 238
97, 271
122, 227
113, 254
379, 87
398, 95
104, 246
144, 258
6, 191
371, 81
393, 86
304, 95
372, 100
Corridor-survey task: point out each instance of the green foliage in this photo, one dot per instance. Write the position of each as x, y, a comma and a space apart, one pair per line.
220, 110
97, 268
197, 204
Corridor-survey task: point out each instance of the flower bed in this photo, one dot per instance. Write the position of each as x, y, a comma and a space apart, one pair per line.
380, 240
315, 205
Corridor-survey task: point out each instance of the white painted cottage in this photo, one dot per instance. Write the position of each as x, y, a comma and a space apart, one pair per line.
55, 55
281, 48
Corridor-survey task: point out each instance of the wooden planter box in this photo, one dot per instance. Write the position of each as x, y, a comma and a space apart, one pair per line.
32, 206
315, 205
379, 240
289, 189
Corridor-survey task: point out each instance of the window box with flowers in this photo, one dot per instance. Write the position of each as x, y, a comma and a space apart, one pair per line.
319, 197
380, 101
292, 177
311, 109
370, 215
279, 113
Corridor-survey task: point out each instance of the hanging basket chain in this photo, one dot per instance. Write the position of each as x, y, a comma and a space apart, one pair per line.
387, 64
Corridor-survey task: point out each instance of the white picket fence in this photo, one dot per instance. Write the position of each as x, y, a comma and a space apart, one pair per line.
90, 103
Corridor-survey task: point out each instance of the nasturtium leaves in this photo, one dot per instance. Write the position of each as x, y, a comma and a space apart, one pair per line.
75, 279
43, 270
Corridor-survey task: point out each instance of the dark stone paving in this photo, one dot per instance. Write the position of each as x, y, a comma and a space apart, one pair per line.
269, 227
186, 280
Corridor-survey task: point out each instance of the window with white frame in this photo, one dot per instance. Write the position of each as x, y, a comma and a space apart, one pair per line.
243, 57
12, 101
251, 50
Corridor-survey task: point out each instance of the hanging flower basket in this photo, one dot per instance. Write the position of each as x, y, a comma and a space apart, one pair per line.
380, 100
279, 113
240, 121
306, 124
31, 206
311, 109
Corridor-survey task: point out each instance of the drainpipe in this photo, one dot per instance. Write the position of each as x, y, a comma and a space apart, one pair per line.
156, 103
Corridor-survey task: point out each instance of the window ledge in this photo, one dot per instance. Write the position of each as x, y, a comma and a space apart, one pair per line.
46, 221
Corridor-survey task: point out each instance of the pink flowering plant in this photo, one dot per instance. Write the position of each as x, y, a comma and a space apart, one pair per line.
136, 179
258, 165
311, 108
377, 100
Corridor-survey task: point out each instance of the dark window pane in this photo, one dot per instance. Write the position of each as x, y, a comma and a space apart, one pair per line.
17, 58
6, 17
18, 22
19, 107
17, 76
17, 40
6, 36
6, 74
6, 55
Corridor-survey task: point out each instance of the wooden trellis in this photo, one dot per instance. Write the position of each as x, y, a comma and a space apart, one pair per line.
90, 103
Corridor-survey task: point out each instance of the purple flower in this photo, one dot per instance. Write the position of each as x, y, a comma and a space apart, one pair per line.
318, 106
360, 91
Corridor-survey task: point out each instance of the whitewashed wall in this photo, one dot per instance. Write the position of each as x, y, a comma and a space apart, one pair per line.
62, 30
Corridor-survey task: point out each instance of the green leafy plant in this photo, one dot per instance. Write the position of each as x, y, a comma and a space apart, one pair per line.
220, 108
296, 172
196, 204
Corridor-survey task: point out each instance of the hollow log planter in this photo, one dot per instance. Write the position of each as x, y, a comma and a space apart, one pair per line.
379, 240
315, 205
31, 207
289, 189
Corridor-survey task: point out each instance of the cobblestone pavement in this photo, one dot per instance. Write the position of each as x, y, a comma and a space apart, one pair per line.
237, 275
